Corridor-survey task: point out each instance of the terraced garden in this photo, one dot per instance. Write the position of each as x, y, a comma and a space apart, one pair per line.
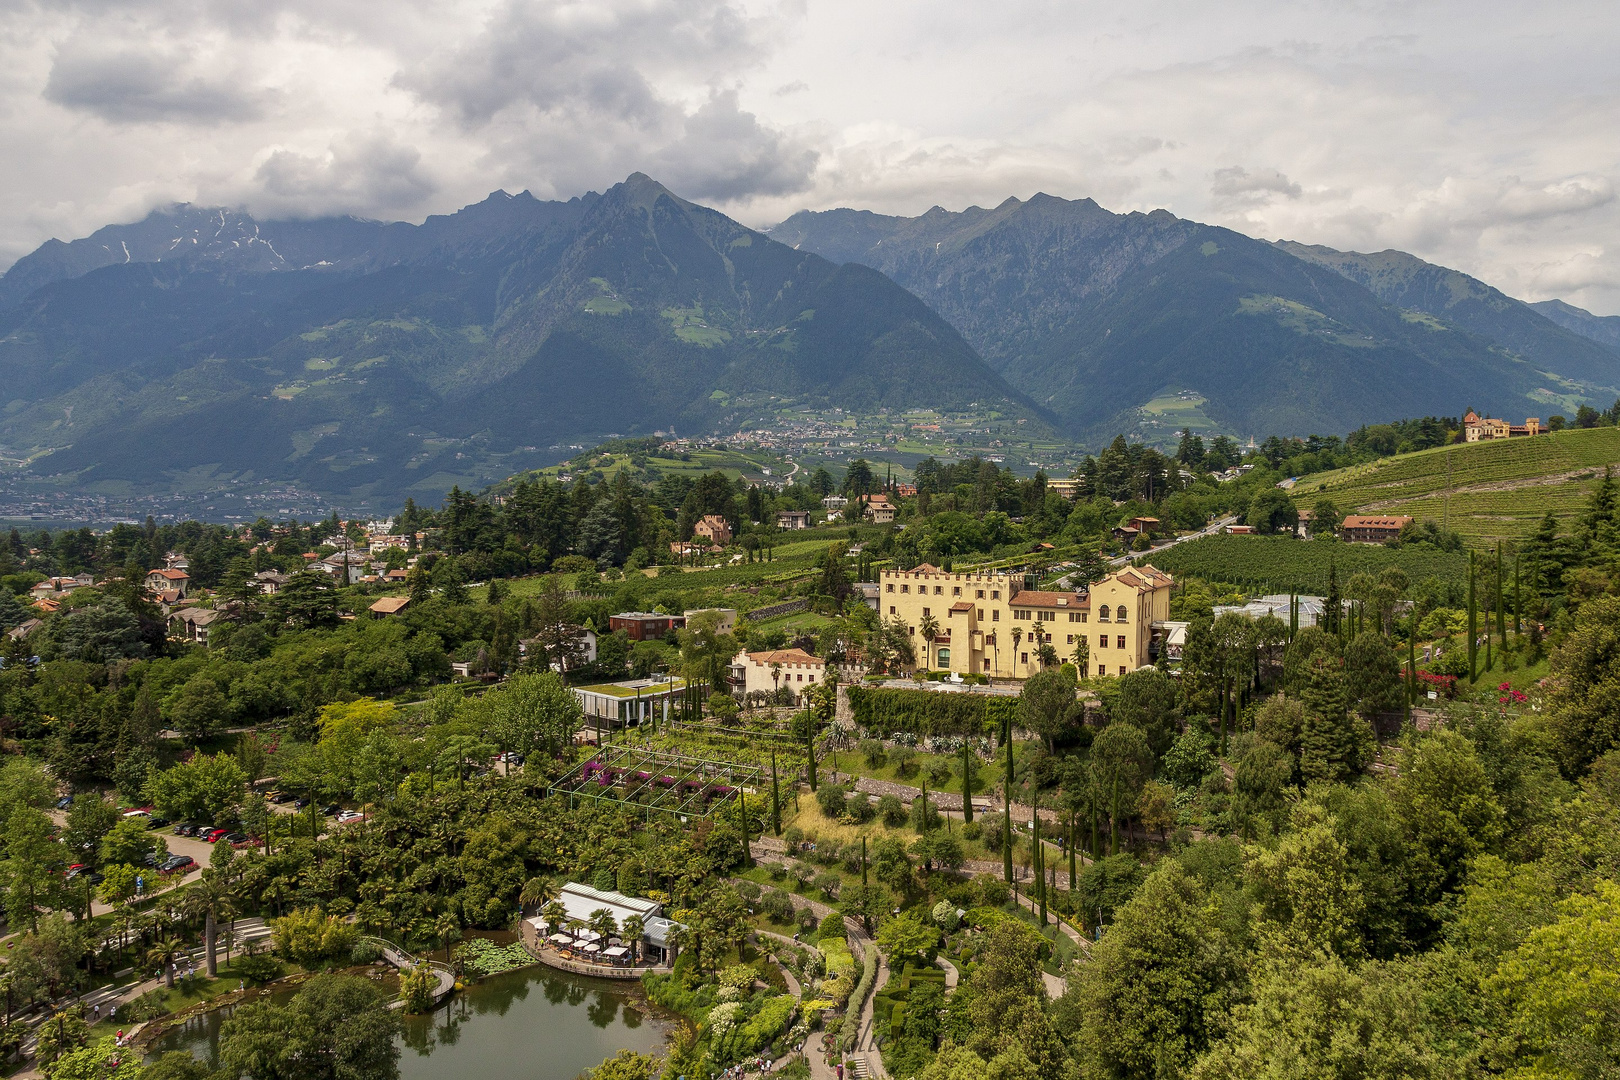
1484, 491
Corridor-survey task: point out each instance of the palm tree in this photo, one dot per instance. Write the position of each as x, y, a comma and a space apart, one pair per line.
603, 924
211, 897
631, 933
163, 953
447, 928
537, 893
928, 628
1047, 654
554, 914
1081, 654
1017, 636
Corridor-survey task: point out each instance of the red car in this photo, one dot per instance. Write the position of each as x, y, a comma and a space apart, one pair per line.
213, 835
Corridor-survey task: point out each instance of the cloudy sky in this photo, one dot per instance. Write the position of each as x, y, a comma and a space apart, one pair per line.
1480, 134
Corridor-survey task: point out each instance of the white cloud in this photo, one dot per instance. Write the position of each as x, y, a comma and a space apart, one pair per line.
1474, 134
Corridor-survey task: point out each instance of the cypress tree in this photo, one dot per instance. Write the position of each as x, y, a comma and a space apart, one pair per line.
1411, 676
1501, 606
1331, 606
1473, 624
1040, 861
810, 746
1006, 832
776, 798
1518, 601
742, 802
967, 786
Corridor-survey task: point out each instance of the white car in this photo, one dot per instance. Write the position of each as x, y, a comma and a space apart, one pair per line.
349, 815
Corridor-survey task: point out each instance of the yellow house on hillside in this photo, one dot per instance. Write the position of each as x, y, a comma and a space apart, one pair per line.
989, 624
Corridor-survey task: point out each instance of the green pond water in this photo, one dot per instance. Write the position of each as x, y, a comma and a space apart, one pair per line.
536, 1023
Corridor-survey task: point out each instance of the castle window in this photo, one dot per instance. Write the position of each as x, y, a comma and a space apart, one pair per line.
1119, 614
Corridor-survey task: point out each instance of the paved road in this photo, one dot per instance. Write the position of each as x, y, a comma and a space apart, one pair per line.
178, 845
1208, 530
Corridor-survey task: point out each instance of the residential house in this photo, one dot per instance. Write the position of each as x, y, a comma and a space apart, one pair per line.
1478, 428
1129, 530
645, 625
879, 510
1372, 529
192, 624
714, 529
776, 668
389, 605
396, 576
990, 624
24, 628
270, 582
793, 519
344, 567
1066, 486
379, 544
728, 617
834, 504
169, 578
585, 644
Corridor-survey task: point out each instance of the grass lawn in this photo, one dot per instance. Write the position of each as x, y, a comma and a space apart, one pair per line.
855, 763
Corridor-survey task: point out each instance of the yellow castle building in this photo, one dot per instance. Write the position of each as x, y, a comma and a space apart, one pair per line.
987, 623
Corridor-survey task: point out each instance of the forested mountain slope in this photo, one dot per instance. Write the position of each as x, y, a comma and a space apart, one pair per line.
358, 357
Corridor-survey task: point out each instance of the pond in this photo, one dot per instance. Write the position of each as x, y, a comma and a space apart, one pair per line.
536, 1023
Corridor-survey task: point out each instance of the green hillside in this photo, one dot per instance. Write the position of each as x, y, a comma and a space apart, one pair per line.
1485, 491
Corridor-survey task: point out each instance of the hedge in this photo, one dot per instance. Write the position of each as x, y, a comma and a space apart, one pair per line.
929, 712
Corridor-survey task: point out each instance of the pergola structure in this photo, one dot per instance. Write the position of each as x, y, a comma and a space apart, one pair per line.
637, 777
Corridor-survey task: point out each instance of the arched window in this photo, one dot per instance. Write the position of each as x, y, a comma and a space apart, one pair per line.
1119, 613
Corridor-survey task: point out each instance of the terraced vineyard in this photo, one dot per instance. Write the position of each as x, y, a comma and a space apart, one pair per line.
1494, 490
1280, 564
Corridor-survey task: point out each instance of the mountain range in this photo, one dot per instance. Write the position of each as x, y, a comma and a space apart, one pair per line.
364, 358
1098, 315
376, 359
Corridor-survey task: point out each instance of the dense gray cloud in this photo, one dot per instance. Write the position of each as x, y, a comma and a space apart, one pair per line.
1474, 134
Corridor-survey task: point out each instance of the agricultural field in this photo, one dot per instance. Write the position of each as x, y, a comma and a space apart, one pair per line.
1486, 492
743, 586
1281, 564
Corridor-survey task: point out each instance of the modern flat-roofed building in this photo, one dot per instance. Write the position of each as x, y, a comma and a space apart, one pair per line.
645, 625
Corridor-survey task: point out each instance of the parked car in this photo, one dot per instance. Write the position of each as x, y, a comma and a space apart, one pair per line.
300, 803
281, 798
65, 802
177, 862
151, 859
74, 871
94, 878
139, 811
331, 811
247, 842
349, 815
157, 823
213, 835
185, 828
234, 838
